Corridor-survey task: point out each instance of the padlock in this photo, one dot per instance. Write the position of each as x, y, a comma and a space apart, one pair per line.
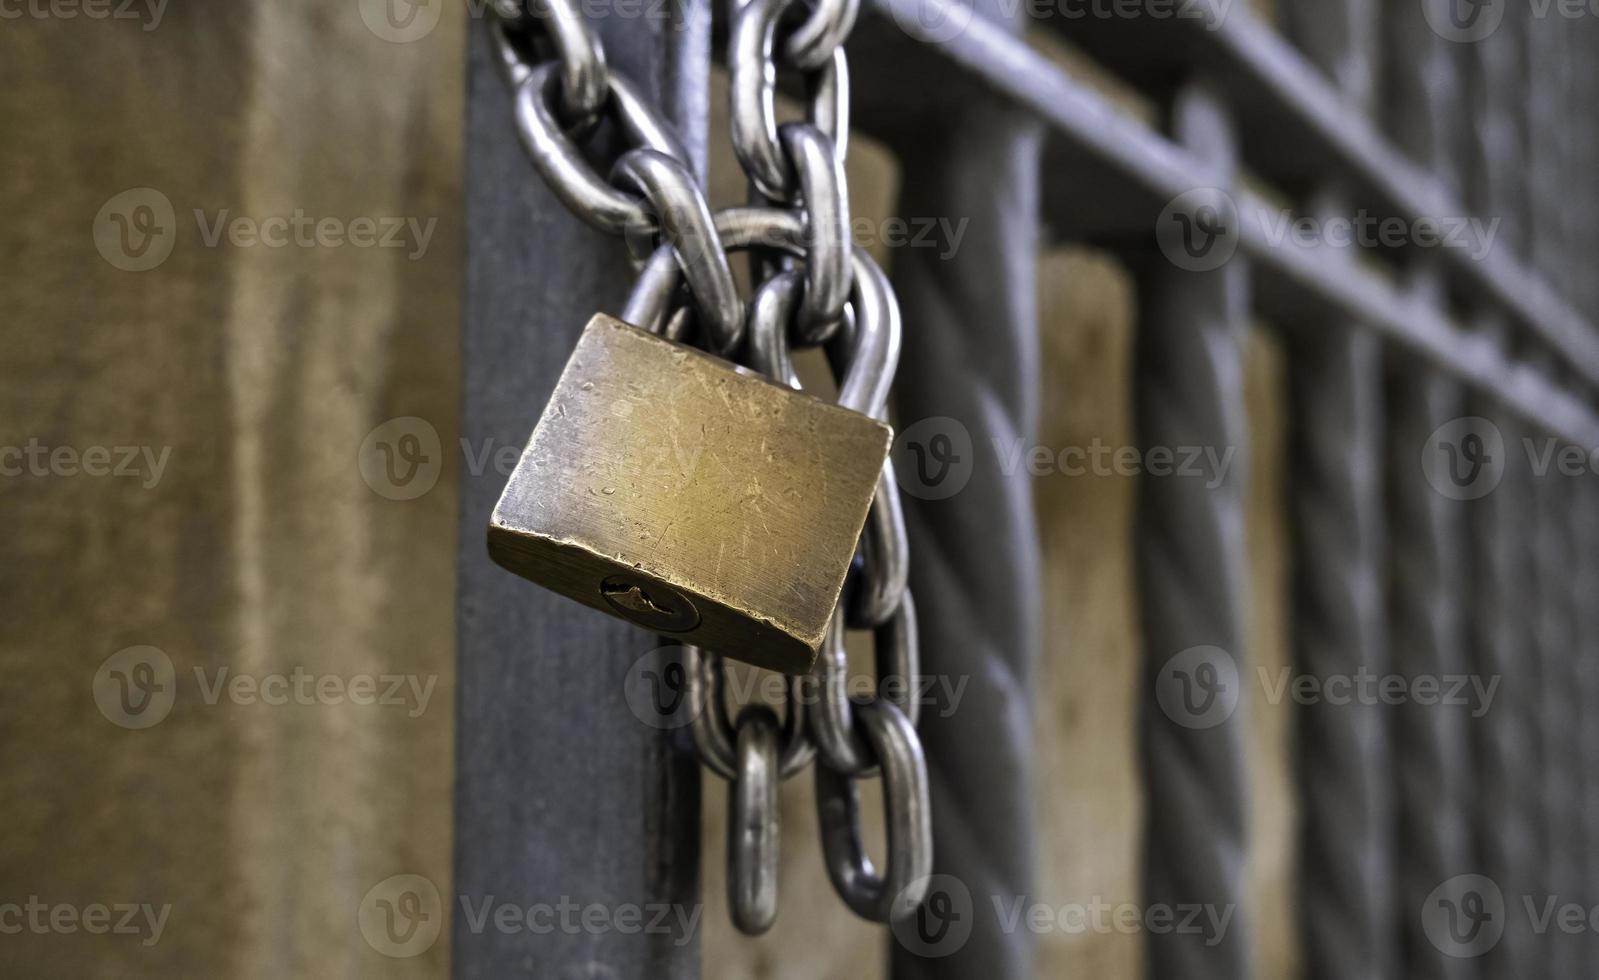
691, 497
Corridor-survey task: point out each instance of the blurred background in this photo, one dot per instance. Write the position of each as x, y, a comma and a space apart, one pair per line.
233, 250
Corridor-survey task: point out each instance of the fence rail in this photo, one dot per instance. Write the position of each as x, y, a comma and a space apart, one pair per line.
1108, 176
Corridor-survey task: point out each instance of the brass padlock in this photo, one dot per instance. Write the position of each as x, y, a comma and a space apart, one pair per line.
693, 498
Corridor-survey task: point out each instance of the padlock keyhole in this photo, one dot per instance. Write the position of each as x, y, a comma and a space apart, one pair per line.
655, 606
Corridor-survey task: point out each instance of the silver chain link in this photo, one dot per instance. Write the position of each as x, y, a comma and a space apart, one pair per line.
827, 292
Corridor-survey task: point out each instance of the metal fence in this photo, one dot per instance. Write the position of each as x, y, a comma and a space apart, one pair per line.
1404, 190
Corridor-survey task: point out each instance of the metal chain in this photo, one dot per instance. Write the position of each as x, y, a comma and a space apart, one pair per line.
826, 292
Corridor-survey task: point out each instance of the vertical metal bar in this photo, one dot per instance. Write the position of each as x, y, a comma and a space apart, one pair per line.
970, 357
1344, 756
563, 797
1562, 819
1502, 808
1544, 124
1431, 739
1554, 126
1585, 493
1336, 460
1189, 544
1584, 587
1502, 811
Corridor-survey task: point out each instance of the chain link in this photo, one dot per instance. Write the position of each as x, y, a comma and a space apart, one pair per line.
823, 292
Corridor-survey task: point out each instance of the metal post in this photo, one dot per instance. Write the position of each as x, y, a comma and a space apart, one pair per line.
1584, 586
1191, 569
562, 794
1431, 739
1544, 127
1501, 811
969, 372
1346, 885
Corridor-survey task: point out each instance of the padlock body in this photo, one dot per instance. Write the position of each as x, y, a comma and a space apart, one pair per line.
667, 487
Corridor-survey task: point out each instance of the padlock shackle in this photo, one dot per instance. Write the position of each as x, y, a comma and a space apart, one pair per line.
875, 343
